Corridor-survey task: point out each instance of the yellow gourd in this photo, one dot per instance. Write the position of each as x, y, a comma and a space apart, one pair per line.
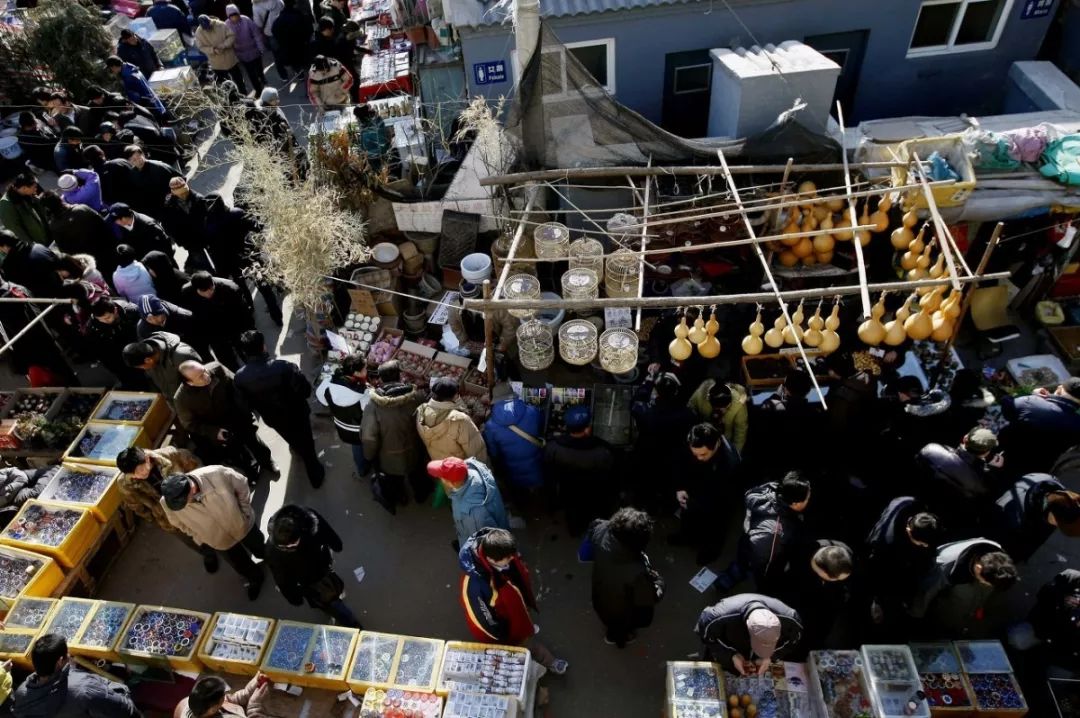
812, 336
697, 334
832, 323
863, 236
871, 331
835, 204
807, 190
756, 327
820, 212
710, 348
809, 223
932, 299
884, 204
751, 343
901, 238
788, 258
894, 330
919, 326
842, 231
951, 306
942, 327
824, 257
823, 243
826, 223
908, 260
680, 349
804, 248
910, 218
923, 262
791, 232
775, 336
939, 267
809, 260
880, 220
917, 245
795, 328
830, 340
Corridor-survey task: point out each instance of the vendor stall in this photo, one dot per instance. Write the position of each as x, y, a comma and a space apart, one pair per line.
387, 661
62, 532
838, 685
101, 633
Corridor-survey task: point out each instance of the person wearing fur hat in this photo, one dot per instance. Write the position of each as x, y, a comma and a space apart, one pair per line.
1025, 516
475, 500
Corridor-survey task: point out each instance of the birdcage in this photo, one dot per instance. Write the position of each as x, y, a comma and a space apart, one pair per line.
535, 345
621, 274
580, 284
577, 341
551, 240
618, 350
521, 286
587, 253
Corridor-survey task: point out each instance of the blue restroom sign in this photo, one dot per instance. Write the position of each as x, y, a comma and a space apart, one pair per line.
487, 73
1036, 8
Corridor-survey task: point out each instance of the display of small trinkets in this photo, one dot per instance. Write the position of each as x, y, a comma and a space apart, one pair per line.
29, 613
105, 625
945, 690
476, 705
69, 618
889, 664
374, 658
418, 663
16, 573
133, 410
484, 670
996, 691
983, 657
396, 703
163, 633
290, 648
839, 675
238, 638
33, 403
78, 485
15, 643
760, 692
695, 682
79, 404
697, 709
43, 525
330, 654
104, 441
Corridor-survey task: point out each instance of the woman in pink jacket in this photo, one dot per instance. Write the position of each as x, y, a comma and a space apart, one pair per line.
250, 45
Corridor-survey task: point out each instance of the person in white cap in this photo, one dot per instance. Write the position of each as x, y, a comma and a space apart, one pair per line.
745, 632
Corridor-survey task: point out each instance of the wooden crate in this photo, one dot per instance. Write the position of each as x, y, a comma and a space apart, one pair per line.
30, 613
129, 435
97, 393
226, 633
383, 333
294, 655
156, 418
57, 393
420, 356
179, 656
102, 631
378, 662
101, 505
445, 364
441, 687
759, 370
40, 582
71, 550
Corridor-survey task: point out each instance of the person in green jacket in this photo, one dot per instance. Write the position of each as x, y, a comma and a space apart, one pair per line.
723, 404
21, 212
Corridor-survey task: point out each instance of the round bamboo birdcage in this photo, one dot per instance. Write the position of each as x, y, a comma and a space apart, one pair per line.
577, 342
551, 240
618, 350
621, 274
587, 253
536, 348
521, 286
580, 284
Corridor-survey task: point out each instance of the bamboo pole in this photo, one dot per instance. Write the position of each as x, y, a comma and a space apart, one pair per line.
34, 300
518, 234
750, 298
859, 261
772, 283
965, 303
489, 339
939, 224
682, 171
28, 327
644, 247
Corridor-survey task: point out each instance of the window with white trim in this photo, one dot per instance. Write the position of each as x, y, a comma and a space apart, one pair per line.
947, 26
597, 57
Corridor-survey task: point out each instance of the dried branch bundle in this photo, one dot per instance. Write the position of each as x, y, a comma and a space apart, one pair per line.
70, 39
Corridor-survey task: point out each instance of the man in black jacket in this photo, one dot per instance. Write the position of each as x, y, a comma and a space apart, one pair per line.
899, 549
149, 179
817, 585
959, 483
59, 688
115, 174
743, 633
140, 231
30, 264
157, 315
345, 394
185, 217
78, 229
138, 52
704, 488
1056, 619
221, 311
580, 469
662, 420
625, 587
278, 392
298, 552
1025, 516
112, 327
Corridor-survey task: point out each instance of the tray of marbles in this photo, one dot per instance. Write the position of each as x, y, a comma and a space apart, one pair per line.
130, 410
996, 692
983, 657
68, 618
841, 684
380, 702
30, 613
15, 646
25, 573
102, 630
373, 660
89, 487
484, 668
941, 675
170, 634
310, 655
63, 532
694, 681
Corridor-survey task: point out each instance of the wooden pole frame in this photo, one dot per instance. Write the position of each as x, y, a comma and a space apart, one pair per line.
859, 261
518, 234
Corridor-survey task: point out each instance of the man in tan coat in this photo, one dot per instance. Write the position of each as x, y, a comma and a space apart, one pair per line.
212, 505
139, 485
445, 428
215, 40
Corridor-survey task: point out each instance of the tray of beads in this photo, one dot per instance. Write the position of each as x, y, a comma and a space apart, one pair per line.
63, 532
30, 613
309, 655
88, 487
695, 681
893, 681
418, 664
758, 696
102, 630
25, 573
373, 661
99, 443
134, 407
942, 678
15, 646
839, 683
235, 643
380, 702
484, 668
69, 617
983, 657
79, 403
160, 634
997, 694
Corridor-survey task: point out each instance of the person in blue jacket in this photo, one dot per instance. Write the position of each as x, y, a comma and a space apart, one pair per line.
1041, 427
167, 16
136, 88
475, 500
513, 436
138, 52
1029, 511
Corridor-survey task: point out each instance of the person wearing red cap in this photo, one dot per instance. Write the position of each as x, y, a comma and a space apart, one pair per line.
475, 500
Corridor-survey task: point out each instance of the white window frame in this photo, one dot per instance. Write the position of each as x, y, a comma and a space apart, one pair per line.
675, 79
609, 42
949, 47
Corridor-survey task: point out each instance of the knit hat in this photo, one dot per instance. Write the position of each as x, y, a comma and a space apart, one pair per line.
269, 94
764, 628
119, 209
175, 490
231, 10
149, 305
67, 182
1065, 507
577, 417
981, 441
451, 469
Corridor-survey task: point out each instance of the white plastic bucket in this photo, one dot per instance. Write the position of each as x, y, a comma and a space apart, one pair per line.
552, 317
476, 267
9, 148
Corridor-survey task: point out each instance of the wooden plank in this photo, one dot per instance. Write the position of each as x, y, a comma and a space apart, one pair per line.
859, 261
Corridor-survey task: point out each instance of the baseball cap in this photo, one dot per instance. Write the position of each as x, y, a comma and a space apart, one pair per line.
150, 305
175, 490
981, 441
764, 628
450, 469
577, 417
67, 182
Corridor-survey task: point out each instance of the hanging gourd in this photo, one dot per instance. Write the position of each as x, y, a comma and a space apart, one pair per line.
821, 212
864, 218
885, 203
835, 204
807, 190
809, 260
788, 258
910, 218
894, 330
951, 306
826, 223
680, 348
901, 238
791, 231
751, 343
775, 336
939, 267
871, 331
863, 236
908, 260
823, 243
793, 330
697, 334
812, 335
880, 217
919, 326
843, 231
824, 257
710, 348
830, 340
922, 265
932, 299
917, 245
942, 327
804, 248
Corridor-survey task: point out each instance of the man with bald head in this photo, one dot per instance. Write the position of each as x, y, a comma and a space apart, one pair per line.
219, 420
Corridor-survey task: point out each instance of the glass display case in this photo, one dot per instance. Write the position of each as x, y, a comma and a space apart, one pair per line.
150, 411
158, 633
989, 675
838, 685
30, 613
695, 690
780, 693
310, 655
236, 643
102, 631
63, 532
942, 678
484, 668
99, 443
460, 704
15, 646
23, 573
89, 487
893, 682
69, 617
